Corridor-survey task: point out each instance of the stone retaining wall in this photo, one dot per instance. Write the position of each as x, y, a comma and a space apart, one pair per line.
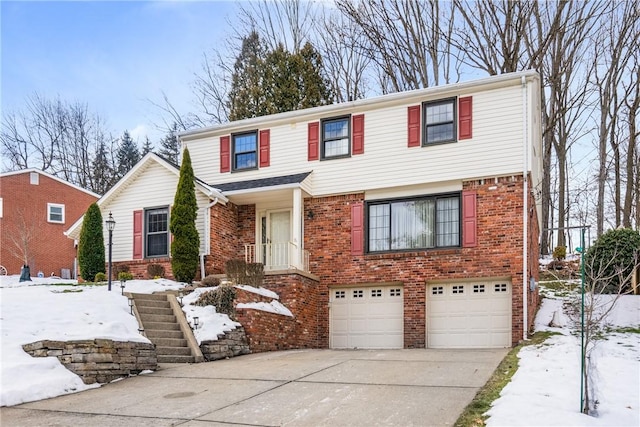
232, 343
100, 360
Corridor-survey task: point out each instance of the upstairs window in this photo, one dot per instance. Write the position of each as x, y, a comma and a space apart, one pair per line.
418, 223
336, 138
439, 121
157, 232
245, 154
55, 213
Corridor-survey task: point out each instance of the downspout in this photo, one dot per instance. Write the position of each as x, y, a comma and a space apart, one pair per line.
525, 209
207, 235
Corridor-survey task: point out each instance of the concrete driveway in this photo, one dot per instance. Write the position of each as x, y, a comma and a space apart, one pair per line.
293, 388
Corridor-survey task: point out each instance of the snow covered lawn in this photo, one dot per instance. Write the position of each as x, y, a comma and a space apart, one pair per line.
545, 390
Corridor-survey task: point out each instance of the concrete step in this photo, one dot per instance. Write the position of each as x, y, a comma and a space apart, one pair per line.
152, 303
155, 310
160, 326
156, 297
153, 334
175, 359
147, 317
174, 351
169, 342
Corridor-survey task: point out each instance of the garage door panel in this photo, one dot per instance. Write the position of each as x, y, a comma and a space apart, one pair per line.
469, 315
367, 317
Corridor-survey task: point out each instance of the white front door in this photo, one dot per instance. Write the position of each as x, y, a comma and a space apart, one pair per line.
276, 235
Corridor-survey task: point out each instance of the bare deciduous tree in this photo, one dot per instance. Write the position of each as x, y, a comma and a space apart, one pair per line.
408, 40
54, 136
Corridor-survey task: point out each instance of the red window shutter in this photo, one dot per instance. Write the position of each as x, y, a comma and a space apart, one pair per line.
265, 136
137, 234
358, 134
313, 138
413, 126
464, 118
469, 220
225, 154
357, 228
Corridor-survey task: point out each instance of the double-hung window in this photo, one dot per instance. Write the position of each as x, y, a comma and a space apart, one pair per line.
440, 121
336, 138
157, 232
417, 223
245, 154
55, 213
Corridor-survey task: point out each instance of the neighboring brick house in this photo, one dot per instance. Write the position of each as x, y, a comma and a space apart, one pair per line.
402, 221
35, 210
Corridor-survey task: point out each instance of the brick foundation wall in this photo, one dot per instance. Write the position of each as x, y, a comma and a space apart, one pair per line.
98, 361
224, 237
269, 331
138, 267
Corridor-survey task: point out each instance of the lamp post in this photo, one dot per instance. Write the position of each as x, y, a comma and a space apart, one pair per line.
111, 224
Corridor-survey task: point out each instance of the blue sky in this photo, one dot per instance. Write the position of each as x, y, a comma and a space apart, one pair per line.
113, 55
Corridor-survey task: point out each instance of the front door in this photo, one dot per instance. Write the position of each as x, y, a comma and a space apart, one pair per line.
276, 235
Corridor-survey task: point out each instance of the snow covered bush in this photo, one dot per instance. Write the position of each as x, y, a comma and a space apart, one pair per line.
221, 298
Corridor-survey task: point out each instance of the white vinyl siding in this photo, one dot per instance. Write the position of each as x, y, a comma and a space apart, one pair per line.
388, 162
153, 187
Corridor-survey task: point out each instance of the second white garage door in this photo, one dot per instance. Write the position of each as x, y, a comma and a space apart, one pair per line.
367, 317
469, 315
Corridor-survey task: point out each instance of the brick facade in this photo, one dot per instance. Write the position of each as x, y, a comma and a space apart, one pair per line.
327, 237
24, 213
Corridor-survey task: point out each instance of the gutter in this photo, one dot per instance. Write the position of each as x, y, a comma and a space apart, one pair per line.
525, 209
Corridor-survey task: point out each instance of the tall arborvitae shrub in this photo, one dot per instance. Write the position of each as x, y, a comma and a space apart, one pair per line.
91, 245
186, 242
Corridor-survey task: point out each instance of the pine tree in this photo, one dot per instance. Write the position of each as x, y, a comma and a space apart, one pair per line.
170, 149
275, 81
182, 224
91, 245
102, 175
147, 147
128, 155
246, 97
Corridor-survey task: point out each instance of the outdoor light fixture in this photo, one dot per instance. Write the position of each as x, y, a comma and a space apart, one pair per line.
196, 321
131, 305
180, 296
141, 331
122, 284
111, 224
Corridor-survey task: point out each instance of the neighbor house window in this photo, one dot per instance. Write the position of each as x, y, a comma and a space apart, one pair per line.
418, 223
439, 121
55, 213
336, 141
245, 154
157, 232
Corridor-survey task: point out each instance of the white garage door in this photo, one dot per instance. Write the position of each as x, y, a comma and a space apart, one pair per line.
469, 315
366, 317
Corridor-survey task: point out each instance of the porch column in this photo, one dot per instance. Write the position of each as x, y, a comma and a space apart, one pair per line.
296, 226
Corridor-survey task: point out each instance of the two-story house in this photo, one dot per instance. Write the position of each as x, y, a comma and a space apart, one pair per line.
35, 210
402, 221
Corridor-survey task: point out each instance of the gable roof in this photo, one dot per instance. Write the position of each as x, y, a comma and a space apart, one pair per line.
262, 183
48, 175
149, 159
